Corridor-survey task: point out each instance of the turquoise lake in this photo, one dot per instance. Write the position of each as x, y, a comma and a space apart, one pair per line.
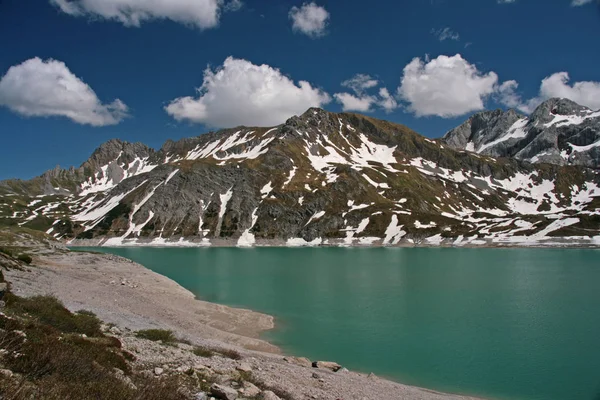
497, 323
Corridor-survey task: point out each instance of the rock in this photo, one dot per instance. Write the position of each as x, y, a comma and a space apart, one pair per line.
2, 304
301, 361
3, 289
200, 396
268, 395
333, 366
343, 370
315, 375
201, 367
158, 371
223, 392
7, 373
114, 330
244, 367
251, 390
371, 376
147, 374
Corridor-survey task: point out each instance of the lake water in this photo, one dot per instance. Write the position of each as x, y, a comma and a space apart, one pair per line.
499, 323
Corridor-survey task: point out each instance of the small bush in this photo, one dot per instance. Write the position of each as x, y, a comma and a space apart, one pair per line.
203, 352
6, 251
49, 310
57, 364
234, 355
26, 258
156, 335
1, 277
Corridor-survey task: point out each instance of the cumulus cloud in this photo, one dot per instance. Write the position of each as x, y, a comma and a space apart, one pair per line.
360, 101
445, 34
445, 86
202, 14
507, 94
386, 100
38, 88
241, 93
360, 82
577, 3
557, 85
351, 102
309, 19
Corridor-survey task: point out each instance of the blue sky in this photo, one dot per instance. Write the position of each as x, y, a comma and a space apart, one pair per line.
164, 60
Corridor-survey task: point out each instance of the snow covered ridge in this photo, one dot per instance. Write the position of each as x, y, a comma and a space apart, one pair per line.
321, 179
559, 132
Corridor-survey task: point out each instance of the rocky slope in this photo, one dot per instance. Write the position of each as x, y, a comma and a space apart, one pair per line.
559, 131
319, 179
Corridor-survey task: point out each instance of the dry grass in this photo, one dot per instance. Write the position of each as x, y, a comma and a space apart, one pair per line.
61, 355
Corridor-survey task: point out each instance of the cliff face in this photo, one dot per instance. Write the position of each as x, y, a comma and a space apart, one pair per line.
320, 178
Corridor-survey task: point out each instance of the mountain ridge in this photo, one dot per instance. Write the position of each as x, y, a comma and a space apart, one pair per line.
559, 131
320, 178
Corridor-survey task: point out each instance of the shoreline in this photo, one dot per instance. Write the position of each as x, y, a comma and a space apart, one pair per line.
554, 243
133, 297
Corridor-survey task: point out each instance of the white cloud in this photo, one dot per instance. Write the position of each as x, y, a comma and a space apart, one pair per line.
577, 3
507, 94
557, 85
506, 1
241, 93
309, 19
445, 86
445, 34
360, 82
351, 102
387, 101
234, 5
360, 101
202, 14
38, 88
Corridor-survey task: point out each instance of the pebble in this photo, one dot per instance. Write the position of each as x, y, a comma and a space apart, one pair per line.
158, 371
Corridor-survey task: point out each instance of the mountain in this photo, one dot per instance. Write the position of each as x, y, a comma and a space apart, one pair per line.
559, 131
319, 178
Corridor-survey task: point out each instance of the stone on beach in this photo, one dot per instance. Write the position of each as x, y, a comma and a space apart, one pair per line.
330, 365
223, 392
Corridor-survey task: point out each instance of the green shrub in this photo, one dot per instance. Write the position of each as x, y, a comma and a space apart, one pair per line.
1, 277
58, 364
26, 258
156, 335
234, 355
49, 310
203, 352
6, 251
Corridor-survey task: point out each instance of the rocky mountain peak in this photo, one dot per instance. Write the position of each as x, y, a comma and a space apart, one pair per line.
547, 111
559, 131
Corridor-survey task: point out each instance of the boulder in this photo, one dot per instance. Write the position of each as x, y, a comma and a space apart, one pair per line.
301, 361
330, 365
250, 390
243, 367
158, 371
223, 392
268, 395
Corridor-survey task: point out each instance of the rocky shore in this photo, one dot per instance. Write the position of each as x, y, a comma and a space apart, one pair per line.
217, 345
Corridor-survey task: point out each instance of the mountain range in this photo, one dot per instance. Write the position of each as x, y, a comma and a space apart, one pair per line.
499, 179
